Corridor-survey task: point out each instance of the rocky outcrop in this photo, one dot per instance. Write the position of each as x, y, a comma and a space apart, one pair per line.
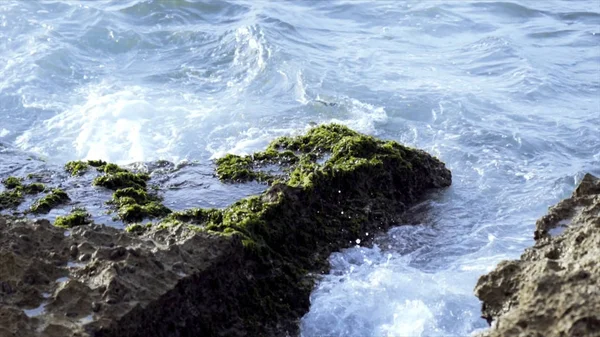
554, 289
246, 270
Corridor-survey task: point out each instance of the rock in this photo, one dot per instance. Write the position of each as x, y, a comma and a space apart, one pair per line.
246, 270
554, 288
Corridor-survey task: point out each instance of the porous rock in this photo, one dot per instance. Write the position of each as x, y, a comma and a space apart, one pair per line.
246, 270
554, 288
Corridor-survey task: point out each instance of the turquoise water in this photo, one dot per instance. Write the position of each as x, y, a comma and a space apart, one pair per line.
506, 93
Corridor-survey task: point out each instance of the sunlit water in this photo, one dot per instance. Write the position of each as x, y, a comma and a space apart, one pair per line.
506, 93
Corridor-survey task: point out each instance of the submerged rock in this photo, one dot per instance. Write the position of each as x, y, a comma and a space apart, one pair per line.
554, 288
246, 270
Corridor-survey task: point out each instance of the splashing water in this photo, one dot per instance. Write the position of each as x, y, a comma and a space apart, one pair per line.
506, 93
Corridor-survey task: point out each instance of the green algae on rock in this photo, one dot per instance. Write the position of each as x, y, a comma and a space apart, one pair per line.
138, 228
33, 188
45, 204
135, 212
131, 198
12, 182
122, 179
248, 269
14, 195
78, 217
76, 168
11, 199
337, 185
96, 163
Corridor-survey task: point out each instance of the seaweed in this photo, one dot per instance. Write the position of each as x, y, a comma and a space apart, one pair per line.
14, 195
138, 228
11, 199
45, 204
337, 186
76, 167
122, 179
33, 188
131, 198
96, 163
77, 217
12, 182
135, 212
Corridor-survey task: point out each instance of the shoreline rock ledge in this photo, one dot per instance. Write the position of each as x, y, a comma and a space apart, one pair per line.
245, 270
554, 288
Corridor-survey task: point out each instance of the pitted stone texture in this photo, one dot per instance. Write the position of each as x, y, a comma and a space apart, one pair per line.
92, 279
554, 289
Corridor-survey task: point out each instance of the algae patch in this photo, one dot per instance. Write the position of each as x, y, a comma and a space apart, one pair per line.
76, 168
15, 191
78, 217
79, 167
45, 204
334, 185
12, 182
131, 197
10, 199
115, 180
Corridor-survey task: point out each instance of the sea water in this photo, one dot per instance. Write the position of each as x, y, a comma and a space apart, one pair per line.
506, 93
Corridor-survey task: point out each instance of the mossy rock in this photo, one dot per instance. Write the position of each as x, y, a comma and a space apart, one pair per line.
11, 199
122, 179
131, 198
138, 228
12, 182
198, 216
96, 163
335, 186
77, 217
135, 212
33, 188
77, 167
54, 198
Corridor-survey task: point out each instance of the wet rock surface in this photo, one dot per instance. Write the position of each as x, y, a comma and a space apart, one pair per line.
244, 270
554, 289
101, 281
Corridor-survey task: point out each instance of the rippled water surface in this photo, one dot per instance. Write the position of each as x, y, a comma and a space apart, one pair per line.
506, 93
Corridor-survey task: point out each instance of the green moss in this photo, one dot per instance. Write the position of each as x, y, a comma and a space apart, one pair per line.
76, 168
155, 209
54, 198
120, 180
138, 228
131, 198
78, 217
140, 196
137, 212
12, 182
336, 185
235, 168
362, 180
11, 199
96, 163
198, 216
112, 168
135, 204
298, 157
33, 188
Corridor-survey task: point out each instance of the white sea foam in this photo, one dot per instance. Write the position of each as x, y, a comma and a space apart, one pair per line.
375, 292
122, 124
